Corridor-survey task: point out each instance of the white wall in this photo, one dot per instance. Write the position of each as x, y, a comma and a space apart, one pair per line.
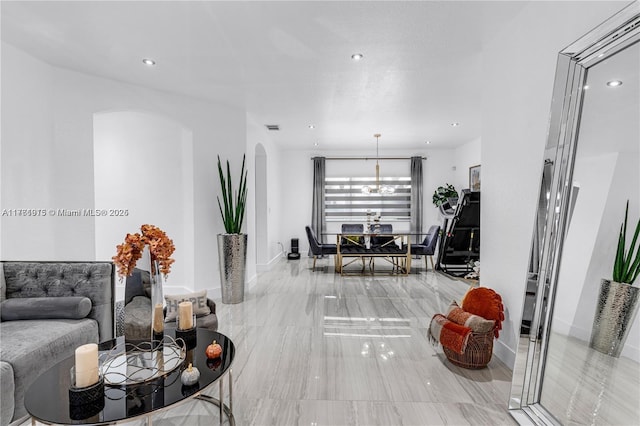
257, 134
47, 143
437, 169
466, 155
145, 162
578, 250
519, 61
27, 167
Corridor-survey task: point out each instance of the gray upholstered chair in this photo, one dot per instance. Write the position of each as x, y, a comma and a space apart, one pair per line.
385, 229
136, 319
317, 248
428, 245
356, 228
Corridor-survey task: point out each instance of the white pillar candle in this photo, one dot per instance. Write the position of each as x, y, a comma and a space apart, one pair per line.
86, 365
185, 314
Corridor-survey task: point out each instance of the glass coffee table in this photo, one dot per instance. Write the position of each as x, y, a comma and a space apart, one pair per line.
47, 400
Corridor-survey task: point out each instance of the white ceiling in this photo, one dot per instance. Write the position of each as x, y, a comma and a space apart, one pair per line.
287, 63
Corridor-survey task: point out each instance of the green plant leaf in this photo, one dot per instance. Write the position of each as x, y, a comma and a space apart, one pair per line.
634, 270
234, 201
628, 266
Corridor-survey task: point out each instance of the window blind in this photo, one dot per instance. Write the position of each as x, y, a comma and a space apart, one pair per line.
344, 200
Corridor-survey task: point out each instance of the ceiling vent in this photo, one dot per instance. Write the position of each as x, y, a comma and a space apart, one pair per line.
273, 127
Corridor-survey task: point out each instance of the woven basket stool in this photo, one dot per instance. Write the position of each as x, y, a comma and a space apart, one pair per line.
477, 354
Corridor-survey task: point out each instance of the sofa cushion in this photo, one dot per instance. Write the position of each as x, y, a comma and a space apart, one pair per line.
3, 284
75, 307
209, 322
137, 319
7, 387
30, 346
198, 300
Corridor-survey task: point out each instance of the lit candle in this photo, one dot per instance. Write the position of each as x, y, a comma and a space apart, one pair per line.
158, 319
86, 365
185, 314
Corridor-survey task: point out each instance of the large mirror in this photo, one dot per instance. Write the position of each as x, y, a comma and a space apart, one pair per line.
579, 349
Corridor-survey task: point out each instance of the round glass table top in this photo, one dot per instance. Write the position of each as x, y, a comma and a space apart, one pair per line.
47, 399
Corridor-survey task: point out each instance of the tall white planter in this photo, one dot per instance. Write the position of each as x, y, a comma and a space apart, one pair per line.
232, 254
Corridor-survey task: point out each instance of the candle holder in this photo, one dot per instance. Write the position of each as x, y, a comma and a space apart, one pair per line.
188, 335
86, 395
84, 411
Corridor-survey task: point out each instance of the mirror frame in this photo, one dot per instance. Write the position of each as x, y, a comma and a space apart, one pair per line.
617, 33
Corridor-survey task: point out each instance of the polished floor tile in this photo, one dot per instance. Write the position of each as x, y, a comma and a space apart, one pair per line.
317, 348
584, 386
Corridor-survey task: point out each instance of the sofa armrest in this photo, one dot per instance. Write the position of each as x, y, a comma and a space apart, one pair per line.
212, 305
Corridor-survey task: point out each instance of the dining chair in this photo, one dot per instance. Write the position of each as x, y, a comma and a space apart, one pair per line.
385, 229
357, 229
317, 248
428, 245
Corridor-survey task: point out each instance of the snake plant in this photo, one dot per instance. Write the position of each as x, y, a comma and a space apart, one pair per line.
627, 264
234, 201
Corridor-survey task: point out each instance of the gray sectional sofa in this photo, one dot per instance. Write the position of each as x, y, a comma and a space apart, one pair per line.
48, 309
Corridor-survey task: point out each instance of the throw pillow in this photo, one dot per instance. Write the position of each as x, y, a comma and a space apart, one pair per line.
25, 308
474, 322
198, 299
486, 303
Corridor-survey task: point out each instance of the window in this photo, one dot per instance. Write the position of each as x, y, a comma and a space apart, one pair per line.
345, 202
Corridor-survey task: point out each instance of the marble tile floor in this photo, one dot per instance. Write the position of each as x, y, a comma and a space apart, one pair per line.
317, 348
583, 386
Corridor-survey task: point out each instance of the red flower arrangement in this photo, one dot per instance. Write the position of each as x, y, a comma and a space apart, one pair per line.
160, 246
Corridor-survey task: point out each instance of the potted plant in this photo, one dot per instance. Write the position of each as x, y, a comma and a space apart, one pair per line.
446, 193
618, 298
232, 245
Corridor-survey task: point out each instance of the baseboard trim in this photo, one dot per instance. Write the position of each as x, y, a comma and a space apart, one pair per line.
266, 267
505, 354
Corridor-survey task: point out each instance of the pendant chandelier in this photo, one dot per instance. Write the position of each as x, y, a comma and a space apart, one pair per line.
377, 188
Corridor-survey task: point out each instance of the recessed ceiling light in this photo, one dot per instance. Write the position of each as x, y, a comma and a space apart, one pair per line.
455, 124
149, 62
428, 142
311, 126
315, 144
614, 83
357, 56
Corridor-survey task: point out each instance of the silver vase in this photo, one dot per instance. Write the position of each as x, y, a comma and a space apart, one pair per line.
157, 299
232, 254
616, 309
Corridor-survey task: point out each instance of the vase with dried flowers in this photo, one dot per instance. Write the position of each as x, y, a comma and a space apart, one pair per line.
160, 250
